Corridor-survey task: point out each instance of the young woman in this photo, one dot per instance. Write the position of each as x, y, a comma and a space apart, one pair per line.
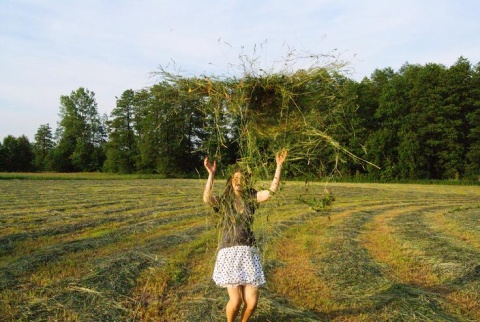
238, 266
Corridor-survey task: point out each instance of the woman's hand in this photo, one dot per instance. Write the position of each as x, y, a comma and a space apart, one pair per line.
264, 195
281, 156
211, 168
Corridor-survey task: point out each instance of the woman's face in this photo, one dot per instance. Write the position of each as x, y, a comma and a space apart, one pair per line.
238, 182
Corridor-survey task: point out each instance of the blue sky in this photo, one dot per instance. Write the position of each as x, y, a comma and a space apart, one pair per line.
50, 48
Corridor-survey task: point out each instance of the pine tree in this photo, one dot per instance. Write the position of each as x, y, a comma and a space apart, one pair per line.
43, 146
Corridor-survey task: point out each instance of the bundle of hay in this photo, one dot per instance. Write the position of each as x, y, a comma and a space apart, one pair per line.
264, 112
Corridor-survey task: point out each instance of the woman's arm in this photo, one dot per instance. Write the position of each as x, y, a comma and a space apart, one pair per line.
264, 195
207, 196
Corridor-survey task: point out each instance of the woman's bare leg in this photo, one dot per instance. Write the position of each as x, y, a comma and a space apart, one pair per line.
234, 303
250, 298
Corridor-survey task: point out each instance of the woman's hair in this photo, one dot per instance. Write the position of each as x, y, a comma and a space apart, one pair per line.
229, 192
228, 197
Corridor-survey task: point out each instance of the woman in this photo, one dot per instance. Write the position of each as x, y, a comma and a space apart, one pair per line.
238, 266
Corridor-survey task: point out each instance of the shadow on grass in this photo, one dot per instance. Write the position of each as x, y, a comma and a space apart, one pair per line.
270, 308
398, 302
403, 302
471, 275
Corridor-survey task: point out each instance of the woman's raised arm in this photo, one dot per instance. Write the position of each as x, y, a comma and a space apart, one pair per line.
264, 195
211, 168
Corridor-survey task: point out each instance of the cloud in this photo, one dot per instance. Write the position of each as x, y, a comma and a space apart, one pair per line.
50, 48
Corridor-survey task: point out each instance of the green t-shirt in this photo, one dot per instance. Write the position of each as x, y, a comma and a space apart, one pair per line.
237, 219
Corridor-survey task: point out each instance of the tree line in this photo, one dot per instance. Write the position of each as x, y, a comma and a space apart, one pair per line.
420, 122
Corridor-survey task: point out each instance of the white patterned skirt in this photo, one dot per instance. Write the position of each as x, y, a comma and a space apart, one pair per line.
238, 265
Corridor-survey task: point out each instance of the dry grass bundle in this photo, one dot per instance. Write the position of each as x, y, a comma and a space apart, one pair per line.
265, 111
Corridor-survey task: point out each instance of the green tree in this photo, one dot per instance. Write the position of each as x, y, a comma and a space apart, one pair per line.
352, 126
43, 146
3, 157
460, 101
166, 123
410, 158
388, 118
368, 94
147, 116
81, 133
437, 120
121, 149
17, 154
420, 126
372, 130
419, 122
472, 162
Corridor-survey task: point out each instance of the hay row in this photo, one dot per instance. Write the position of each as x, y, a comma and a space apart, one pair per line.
178, 247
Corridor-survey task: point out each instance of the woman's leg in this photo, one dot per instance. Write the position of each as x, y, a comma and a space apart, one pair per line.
250, 297
234, 303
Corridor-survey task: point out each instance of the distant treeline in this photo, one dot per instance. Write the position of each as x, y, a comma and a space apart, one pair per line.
421, 122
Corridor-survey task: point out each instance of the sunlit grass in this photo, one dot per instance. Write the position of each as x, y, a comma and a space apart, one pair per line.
80, 250
409, 263
405, 265
74, 176
462, 223
294, 276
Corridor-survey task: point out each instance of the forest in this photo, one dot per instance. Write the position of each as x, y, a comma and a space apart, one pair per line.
421, 122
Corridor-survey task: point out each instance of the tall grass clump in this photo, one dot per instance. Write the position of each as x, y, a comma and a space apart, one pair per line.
264, 109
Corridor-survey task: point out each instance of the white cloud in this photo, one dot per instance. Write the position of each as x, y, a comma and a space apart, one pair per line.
50, 48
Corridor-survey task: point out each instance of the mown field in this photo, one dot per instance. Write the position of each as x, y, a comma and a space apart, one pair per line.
143, 250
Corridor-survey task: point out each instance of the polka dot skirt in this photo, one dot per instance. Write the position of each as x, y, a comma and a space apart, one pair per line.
238, 265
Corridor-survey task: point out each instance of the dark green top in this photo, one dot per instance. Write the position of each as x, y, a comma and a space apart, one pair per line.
236, 226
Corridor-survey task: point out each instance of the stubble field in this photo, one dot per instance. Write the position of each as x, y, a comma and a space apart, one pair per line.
143, 250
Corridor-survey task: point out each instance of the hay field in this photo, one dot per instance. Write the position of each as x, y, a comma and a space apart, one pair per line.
143, 250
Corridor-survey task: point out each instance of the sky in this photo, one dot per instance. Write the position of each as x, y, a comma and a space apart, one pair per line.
50, 48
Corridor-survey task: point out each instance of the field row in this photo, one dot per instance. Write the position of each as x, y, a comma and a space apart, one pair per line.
88, 250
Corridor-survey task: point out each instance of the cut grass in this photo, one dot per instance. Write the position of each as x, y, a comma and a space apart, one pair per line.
461, 223
74, 176
144, 250
417, 257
